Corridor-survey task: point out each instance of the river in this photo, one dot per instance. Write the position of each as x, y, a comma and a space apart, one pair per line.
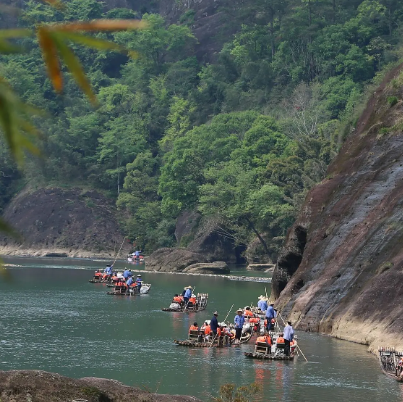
55, 320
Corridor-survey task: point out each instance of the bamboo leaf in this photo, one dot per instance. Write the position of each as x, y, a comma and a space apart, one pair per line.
15, 33
101, 25
75, 67
6, 47
49, 51
96, 43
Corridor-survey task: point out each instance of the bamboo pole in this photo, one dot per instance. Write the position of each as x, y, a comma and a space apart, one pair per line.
116, 257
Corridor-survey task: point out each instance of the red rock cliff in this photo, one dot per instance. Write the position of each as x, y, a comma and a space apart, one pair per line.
341, 269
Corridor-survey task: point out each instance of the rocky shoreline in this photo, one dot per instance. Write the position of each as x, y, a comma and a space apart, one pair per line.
42, 386
15, 251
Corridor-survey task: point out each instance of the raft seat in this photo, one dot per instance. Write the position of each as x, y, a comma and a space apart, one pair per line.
262, 347
193, 335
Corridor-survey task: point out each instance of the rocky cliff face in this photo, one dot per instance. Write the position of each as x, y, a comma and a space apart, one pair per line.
75, 222
341, 269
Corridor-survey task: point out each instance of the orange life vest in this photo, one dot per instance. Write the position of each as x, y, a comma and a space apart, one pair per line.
280, 339
264, 339
192, 300
193, 328
207, 330
177, 299
248, 313
254, 320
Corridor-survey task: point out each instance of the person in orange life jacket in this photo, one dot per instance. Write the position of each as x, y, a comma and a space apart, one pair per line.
265, 339
194, 327
177, 299
248, 312
280, 339
239, 320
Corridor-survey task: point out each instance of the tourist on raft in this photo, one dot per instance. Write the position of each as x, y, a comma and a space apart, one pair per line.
262, 303
178, 299
194, 327
265, 339
248, 312
239, 321
206, 330
288, 337
270, 315
188, 294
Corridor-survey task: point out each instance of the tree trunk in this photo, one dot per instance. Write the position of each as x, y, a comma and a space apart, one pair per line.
252, 226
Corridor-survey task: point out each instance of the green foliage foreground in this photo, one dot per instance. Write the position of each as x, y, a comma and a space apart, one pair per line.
240, 140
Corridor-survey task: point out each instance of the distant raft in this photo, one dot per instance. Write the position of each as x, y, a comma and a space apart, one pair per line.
145, 288
199, 303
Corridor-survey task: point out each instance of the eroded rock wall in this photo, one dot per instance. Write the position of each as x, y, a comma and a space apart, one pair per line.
79, 223
341, 269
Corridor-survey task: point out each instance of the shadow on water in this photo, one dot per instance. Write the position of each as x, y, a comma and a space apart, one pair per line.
54, 320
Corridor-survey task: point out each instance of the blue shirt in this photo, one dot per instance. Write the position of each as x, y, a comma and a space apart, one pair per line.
137, 253
288, 333
126, 274
138, 281
270, 312
239, 320
214, 324
129, 281
188, 293
262, 304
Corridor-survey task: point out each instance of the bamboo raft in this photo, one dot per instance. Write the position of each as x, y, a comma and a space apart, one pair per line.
145, 288
389, 361
268, 356
222, 343
201, 304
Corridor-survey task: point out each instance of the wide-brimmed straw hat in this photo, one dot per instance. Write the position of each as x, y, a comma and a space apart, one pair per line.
240, 310
261, 297
215, 313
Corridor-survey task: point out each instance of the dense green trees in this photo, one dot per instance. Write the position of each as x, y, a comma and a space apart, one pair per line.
240, 140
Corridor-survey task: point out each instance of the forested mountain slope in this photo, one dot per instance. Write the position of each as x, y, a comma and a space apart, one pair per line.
239, 140
341, 269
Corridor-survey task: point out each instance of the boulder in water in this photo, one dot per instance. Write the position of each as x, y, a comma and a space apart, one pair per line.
216, 267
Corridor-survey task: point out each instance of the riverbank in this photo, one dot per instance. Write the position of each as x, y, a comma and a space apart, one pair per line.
42, 386
21, 251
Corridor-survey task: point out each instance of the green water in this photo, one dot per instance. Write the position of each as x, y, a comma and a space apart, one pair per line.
54, 320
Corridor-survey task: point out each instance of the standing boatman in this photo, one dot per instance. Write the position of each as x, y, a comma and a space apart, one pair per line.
270, 315
214, 325
288, 337
262, 303
239, 320
188, 294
